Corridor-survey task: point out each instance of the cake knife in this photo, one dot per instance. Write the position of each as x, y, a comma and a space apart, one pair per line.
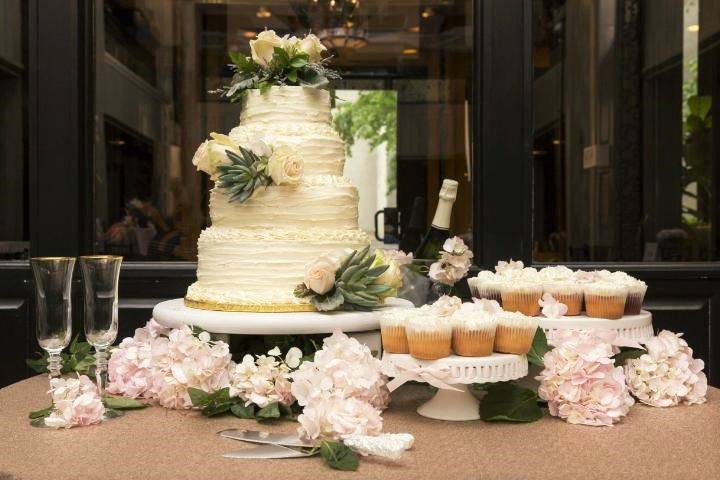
254, 436
268, 451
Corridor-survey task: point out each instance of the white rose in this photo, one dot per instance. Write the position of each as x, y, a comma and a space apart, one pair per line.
313, 47
201, 158
289, 44
285, 167
320, 274
393, 275
259, 148
217, 149
262, 48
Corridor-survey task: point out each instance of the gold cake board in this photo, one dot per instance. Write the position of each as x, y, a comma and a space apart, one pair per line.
254, 308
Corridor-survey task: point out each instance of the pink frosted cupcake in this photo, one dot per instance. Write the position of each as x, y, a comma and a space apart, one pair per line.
429, 337
485, 285
605, 300
392, 329
473, 333
514, 332
567, 292
522, 297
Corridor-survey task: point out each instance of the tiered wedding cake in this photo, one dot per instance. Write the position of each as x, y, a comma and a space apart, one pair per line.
255, 252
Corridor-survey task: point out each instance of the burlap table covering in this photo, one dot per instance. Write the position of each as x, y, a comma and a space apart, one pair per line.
651, 443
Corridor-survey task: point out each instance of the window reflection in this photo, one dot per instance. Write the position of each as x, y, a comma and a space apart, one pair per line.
14, 244
406, 70
623, 157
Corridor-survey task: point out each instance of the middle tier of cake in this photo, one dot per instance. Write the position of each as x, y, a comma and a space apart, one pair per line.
323, 201
253, 270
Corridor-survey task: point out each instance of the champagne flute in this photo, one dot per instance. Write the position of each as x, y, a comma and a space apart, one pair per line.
53, 287
101, 275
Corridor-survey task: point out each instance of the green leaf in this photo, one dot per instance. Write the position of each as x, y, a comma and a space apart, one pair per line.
199, 398
38, 365
216, 408
41, 413
113, 413
627, 353
539, 348
292, 76
269, 411
240, 410
507, 402
38, 422
280, 58
302, 291
122, 403
299, 61
339, 456
329, 301
700, 105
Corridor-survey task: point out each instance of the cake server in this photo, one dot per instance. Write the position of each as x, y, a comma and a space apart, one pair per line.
254, 436
268, 451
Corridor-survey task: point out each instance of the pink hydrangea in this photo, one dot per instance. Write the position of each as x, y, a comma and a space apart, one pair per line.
336, 417
161, 364
343, 365
454, 263
667, 374
265, 379
76, 402
342, 390
580, 382
551, 308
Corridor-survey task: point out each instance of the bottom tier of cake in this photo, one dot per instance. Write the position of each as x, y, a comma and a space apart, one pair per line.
257, 270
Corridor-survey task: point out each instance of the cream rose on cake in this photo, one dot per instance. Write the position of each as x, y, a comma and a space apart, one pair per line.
213, 153
262, 48
284, 166
320, 274
313, 47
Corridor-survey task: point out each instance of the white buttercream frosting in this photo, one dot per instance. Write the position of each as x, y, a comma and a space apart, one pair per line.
331, 205
286, 104
261, 266
256, 251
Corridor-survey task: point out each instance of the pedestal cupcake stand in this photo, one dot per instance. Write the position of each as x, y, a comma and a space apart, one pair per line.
361, 325
462, 404
630, 328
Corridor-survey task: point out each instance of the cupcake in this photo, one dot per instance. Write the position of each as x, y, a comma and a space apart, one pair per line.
522, 296
567, 292
392, 329
485, 285
636, 292
429, 337
514, 332
605, 300
473, 333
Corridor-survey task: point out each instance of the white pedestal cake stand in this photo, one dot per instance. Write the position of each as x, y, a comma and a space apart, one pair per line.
463, 405
630, 328
362, 325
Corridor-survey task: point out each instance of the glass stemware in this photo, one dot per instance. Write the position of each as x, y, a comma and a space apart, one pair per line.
101, 275
53, 287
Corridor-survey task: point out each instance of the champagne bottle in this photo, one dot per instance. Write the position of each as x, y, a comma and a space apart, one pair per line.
439, 230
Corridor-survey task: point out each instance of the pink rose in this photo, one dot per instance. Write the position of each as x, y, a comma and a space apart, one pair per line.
320, 274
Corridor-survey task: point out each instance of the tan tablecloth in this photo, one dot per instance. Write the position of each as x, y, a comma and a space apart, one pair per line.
652, 443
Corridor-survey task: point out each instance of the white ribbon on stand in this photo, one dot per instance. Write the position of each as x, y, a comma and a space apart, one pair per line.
407, 370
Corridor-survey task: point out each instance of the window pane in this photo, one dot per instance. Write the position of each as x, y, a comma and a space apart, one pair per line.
406, 70
14, 242
625, 160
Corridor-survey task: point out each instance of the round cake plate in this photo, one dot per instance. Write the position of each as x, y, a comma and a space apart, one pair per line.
174, 313
630, 328
463, 405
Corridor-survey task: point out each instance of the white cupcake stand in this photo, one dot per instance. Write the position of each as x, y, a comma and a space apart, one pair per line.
630, 329
461, 404
361, 325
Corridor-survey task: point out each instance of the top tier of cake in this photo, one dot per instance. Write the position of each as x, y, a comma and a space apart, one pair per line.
298, 117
